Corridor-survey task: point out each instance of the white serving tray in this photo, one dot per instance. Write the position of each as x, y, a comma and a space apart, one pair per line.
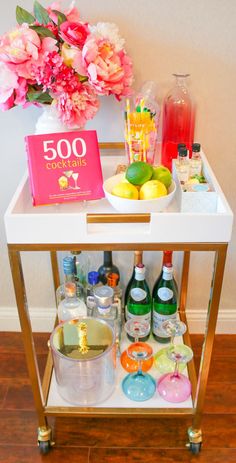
67, 223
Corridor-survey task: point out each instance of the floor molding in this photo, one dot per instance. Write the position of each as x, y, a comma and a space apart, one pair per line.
42, 320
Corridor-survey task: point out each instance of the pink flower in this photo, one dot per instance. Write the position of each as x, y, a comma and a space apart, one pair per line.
54, 76
12, 89
21, 92
74, 33
72, 57
72, 13
8, 83
75, 109
109, 71
20, 45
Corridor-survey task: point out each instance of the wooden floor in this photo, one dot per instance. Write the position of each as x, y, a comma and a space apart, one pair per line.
115, 440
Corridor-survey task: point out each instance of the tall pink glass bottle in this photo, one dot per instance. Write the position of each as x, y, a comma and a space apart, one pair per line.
178, 120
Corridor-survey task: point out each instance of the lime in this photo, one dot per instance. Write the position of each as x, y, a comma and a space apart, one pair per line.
162, 174
139, 172
152, 189
125, 190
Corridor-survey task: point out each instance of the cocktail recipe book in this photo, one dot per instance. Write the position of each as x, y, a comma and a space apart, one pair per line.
64, 167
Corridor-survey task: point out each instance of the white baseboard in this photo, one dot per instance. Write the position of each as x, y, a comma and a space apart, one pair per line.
43, 320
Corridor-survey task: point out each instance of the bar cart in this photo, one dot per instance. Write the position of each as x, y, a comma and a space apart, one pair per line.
97, 226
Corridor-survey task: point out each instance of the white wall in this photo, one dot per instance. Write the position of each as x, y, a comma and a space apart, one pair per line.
162, 37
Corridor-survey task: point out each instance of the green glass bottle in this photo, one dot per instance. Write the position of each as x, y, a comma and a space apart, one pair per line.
164, 298
139, 301
138, 259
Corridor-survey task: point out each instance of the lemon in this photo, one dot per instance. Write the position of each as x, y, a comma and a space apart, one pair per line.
125, 190
152, 189
139, 172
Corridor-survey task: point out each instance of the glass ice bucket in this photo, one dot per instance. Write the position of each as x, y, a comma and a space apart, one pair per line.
84, 359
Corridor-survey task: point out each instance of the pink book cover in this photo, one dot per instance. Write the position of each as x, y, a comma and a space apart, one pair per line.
64, 167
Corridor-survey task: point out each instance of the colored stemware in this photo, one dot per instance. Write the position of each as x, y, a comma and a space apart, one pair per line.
137, 330
176, 387
139, 386
169, 328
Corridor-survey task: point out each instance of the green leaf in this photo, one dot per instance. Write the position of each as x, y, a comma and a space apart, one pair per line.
43, 31
22, 16
82, 78
60, 16
41, 13
40, 97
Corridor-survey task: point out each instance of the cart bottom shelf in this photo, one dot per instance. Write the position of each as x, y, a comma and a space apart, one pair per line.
117, 400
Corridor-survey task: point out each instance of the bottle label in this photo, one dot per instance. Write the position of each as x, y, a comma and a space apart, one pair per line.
157, 321
90, 301
138, 294
165, 294
146, 317
104, 310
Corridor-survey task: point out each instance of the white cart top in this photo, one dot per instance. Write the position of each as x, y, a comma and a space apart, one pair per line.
69, 223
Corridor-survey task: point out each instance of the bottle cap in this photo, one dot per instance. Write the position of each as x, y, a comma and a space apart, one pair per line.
93, 278
68, 265
168, 268
181, 145
103, 296
183, 152
140, 269
70, 289
112, 279
196, 147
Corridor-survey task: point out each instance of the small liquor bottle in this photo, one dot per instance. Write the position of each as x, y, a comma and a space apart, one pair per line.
93, 282
164, 302
139, 303
138, 259
195, 161
107, 267
112, 279
69, 277
182, 165
71, 307
105, 309
81, 267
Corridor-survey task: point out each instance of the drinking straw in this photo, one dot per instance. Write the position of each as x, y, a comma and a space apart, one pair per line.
143, 134
128, 129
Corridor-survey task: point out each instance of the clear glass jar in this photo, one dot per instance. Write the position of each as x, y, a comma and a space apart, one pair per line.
178, 120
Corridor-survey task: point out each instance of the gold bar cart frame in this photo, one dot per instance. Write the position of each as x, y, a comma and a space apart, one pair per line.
40, 388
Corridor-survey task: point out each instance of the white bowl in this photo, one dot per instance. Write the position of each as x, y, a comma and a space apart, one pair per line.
136, 205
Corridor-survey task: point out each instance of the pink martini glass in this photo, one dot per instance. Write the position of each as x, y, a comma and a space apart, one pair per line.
176, 387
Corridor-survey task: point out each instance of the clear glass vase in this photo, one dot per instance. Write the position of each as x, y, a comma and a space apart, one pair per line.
178, 120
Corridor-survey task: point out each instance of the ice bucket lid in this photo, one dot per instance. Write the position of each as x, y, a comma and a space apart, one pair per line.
84, 338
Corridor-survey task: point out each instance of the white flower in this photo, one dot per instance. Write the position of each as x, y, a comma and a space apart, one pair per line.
109, 31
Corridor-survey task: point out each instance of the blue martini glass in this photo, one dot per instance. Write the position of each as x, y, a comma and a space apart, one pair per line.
139, 386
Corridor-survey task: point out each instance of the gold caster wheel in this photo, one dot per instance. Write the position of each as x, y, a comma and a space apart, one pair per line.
44, 439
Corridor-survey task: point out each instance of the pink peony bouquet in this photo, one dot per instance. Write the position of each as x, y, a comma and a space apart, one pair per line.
54, 57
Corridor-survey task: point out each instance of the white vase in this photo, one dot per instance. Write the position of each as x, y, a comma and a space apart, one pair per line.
48, 122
